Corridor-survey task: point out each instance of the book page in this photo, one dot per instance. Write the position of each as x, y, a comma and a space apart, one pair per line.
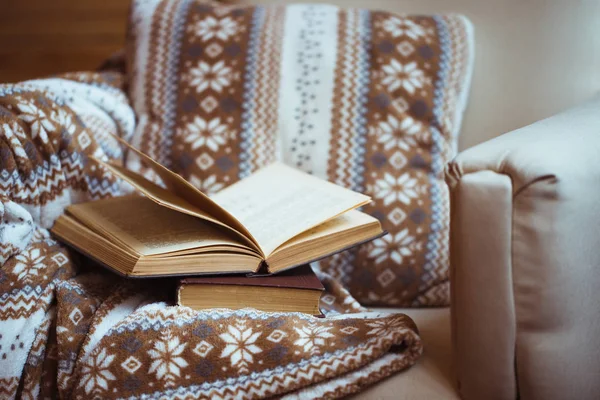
149, 228
347, 230
348, 221
279, 202
179, 187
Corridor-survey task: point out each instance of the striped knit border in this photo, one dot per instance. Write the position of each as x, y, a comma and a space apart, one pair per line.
267, 89
362, 91
449, 77
347, 163
250, 87
435, 258
259, 118
347, 166
154, 39
168, 100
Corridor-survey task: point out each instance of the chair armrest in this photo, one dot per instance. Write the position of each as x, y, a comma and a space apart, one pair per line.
525, 261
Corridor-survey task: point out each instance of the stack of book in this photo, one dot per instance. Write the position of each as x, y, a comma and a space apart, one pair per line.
248, 245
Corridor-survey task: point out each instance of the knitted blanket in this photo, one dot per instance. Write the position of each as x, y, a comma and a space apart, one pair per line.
69, 329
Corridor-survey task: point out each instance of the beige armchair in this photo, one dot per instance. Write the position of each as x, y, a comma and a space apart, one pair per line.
525, 247
525, 271
525, 230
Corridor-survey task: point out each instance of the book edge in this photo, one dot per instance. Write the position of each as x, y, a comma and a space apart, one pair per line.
379, 235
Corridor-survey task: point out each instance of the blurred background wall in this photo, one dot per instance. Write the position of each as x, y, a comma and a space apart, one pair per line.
44, 37
533, 58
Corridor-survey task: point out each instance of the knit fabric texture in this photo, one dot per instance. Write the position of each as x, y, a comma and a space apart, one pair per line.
369, 100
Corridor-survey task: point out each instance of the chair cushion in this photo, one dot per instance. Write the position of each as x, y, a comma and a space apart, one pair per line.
432, 376
369, 100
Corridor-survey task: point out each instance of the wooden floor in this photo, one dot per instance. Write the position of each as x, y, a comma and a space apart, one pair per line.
44, 37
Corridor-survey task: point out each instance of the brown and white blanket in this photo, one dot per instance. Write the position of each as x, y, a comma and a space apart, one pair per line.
71, 330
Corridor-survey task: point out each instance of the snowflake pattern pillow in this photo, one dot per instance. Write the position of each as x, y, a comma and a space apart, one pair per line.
367, 99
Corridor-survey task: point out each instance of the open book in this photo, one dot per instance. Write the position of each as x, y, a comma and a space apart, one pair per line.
275, 219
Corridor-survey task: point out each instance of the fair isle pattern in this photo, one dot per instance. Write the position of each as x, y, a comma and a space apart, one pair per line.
94, 336
69, 329
87, 94
259, 119
210, 328
138, 84
267, 89
208, 132
126, 342
434, 289
454, 99
263, 384
41, 352
8, 387
416, 97
367, 99
352, 382
248, 131
168, 101
346, 158
387, 270
159, 98
435, 268
34, 273
47, 140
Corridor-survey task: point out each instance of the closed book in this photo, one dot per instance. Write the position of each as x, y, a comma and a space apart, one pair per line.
294, 290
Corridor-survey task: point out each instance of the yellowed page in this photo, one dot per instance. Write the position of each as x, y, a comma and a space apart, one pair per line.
279, 202
338, 234
347, 221
149, 228
178, 187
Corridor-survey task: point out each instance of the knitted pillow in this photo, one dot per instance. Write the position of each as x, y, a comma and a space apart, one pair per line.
367, 99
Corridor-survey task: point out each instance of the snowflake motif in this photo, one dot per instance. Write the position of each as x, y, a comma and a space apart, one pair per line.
200, 132
403, 27
15, 136
407, 76
210, 27
240, 345
385, 327
391, 189
29, 264
95, 374
394, 247
64, 121
392, 133
207, 186
37, 119
15, 129
312, 337
167, 361
216, 76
